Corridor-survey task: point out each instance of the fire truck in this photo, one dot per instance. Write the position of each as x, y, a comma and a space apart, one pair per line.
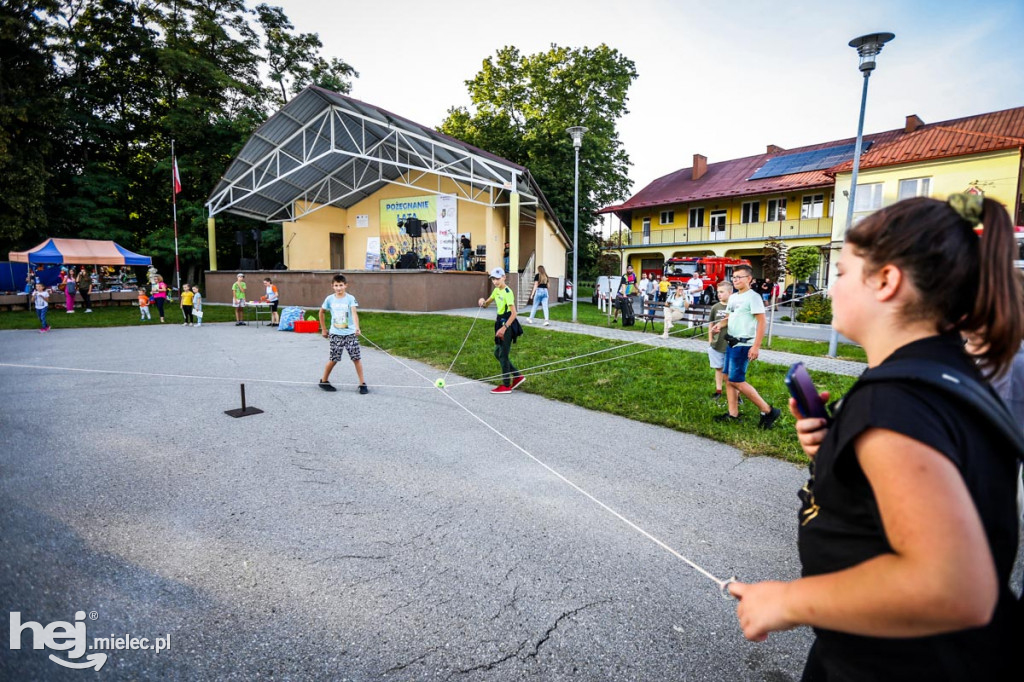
715, 269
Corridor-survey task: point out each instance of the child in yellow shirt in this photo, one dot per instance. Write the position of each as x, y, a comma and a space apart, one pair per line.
186, 304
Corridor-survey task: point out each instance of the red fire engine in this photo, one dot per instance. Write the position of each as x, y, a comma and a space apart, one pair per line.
714, 269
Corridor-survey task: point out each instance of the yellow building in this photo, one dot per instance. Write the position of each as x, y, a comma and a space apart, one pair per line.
799, 195
355, 187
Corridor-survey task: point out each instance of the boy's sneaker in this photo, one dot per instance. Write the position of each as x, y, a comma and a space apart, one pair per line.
726, 418
529, 320
518, 380
88, 310
546, 323
326, 385
769, 418
501, 389
717, 395
363, 390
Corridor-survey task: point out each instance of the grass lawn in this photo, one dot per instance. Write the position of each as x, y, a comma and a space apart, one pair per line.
110, 316
660, 386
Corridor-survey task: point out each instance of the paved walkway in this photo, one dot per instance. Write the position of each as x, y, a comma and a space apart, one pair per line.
821, 364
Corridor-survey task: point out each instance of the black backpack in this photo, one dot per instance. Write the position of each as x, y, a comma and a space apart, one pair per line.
980, 399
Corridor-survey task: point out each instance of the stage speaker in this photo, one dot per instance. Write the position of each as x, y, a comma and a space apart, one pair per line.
414, 228
239, 238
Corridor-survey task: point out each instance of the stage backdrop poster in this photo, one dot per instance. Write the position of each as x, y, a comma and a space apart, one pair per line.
373, 253
447, 231
394, 242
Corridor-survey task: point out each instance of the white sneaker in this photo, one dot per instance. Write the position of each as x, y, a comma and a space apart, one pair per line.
546, 323
88, 310
184, 324
529, 320
71, 312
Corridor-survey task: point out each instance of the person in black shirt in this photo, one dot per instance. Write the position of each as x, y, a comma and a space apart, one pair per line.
908, 528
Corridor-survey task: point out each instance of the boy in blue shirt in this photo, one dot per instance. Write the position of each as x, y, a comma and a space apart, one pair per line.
343, 332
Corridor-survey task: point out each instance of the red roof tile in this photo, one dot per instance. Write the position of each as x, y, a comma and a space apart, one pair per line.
971, 135
729, 178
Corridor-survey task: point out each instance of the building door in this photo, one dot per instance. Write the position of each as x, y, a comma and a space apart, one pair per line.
337, 251
717, 231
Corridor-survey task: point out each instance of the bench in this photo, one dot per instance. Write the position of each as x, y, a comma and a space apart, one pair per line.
694, 316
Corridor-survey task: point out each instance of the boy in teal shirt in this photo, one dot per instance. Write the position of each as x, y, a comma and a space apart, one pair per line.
343, 332
744, 327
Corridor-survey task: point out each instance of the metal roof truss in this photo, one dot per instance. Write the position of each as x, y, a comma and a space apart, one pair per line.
341, 156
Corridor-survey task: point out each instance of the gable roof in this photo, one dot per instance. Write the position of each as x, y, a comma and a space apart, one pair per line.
989, 132
323, 148
970, 135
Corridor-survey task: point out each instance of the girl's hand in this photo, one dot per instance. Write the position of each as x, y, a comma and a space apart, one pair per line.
500, 333
762, 608
809, 431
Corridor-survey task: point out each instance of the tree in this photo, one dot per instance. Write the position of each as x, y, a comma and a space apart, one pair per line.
92, 92
27, 110
802, 261
294, 58
521, 107
774, 255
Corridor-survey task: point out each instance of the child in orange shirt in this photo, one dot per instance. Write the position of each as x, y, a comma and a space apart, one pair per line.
143, 305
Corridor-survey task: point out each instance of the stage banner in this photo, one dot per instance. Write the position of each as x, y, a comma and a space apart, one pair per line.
394, 241
373, 253
447, 232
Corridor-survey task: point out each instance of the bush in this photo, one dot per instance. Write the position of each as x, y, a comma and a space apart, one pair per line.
785, 318
816, 310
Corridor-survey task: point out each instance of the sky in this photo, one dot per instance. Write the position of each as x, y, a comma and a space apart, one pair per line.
723, 79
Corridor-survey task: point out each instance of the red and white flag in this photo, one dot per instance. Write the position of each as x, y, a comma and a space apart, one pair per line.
177, 178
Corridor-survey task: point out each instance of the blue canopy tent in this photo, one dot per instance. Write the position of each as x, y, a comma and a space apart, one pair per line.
79, 252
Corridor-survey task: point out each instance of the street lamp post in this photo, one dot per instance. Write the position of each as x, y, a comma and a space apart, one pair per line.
868, 47
576, 133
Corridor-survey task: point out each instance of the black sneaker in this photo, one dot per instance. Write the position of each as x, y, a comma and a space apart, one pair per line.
769, 418
726, 418
717, 395
363, 390
326, 385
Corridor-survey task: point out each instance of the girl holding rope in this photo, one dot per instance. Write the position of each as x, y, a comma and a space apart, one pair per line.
908, 528
506, 330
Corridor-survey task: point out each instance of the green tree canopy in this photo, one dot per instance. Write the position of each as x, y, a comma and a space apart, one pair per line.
802, 261
521, 108
97, 90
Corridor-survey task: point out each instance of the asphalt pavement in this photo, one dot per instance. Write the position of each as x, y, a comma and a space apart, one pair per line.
339, 536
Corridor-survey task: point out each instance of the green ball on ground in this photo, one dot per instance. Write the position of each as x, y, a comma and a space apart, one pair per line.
439, 383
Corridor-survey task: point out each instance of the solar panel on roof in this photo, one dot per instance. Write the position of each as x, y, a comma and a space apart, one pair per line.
802, 162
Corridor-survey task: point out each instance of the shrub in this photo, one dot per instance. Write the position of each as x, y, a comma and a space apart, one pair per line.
816, 310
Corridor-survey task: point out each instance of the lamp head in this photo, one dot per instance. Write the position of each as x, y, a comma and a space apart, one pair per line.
576, 133
868, 47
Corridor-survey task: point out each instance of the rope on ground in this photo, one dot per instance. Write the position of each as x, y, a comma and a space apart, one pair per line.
722, 584
475, 318
185, 376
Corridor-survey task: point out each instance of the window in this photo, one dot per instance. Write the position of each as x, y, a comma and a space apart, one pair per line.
869, 197
668, 217
776, 210
751, 212
647, 231
696, 217
831, 203
917, 187
811, 206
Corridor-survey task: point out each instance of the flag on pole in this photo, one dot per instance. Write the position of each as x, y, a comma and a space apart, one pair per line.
177, 178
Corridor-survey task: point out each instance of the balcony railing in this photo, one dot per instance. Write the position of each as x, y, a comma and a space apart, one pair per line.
734, 232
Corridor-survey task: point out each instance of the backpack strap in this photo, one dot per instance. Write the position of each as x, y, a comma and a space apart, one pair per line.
983, 402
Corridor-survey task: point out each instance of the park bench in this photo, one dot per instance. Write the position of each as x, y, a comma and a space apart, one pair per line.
694, 316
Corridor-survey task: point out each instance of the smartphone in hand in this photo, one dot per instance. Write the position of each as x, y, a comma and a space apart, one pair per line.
808, 400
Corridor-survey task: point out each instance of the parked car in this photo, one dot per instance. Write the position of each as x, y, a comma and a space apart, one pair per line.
802, 289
